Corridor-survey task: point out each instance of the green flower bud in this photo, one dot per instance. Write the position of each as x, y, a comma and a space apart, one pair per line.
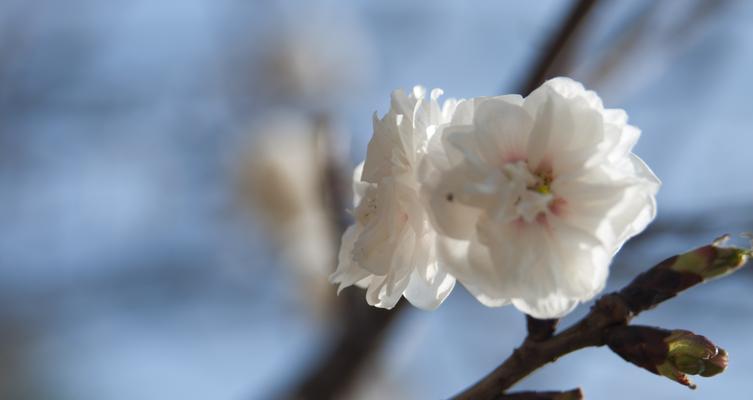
712, 261
673, 354
691, 354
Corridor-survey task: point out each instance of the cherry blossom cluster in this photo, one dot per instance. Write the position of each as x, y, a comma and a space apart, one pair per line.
524, 201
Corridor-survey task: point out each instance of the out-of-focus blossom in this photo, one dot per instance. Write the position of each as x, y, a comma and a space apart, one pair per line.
314, 62
283, 177
391, 247
536, 195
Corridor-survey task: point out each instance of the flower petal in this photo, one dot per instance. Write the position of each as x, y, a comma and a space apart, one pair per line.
552, 306
348, 273
503, 127
429, 293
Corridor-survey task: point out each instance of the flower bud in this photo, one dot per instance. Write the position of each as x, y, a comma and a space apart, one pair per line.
692, 354
712, 261
673, 354
675, 274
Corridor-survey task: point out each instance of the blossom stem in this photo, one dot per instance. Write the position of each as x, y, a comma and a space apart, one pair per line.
540, 329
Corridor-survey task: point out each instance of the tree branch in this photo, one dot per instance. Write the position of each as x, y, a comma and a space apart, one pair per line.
574, 394
364, 331
660, 283
540, 329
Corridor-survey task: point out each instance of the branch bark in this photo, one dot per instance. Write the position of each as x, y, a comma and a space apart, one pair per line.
540, 329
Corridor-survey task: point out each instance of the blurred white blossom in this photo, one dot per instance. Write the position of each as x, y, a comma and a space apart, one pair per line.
391, 247
533, 197
283, 176
311, 61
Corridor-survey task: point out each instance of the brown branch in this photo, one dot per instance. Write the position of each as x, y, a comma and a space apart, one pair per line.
607, 312
364, 331
574, 394
660, 283
540, 329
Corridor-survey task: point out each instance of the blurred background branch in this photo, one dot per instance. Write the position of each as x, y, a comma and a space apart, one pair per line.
554, 59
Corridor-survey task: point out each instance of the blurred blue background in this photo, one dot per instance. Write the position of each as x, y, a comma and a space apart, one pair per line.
161, 235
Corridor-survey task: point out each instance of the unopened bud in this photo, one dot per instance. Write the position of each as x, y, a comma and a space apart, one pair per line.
713, 260
673, 354
680, 272
692, 354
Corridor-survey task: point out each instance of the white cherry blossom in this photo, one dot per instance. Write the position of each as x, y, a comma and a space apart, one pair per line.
533, 197
390, 249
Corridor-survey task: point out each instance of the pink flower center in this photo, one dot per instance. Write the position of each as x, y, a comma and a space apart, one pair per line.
528, 195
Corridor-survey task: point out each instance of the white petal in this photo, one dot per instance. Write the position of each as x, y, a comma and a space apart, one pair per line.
552, 306
402, 104
448, 214
627, 136
348, 273
503, 129
486, 300
463, 114
454, 256
359, 187
571, 89
384, 294
429, 293
380, 152
448, 109
582, 258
